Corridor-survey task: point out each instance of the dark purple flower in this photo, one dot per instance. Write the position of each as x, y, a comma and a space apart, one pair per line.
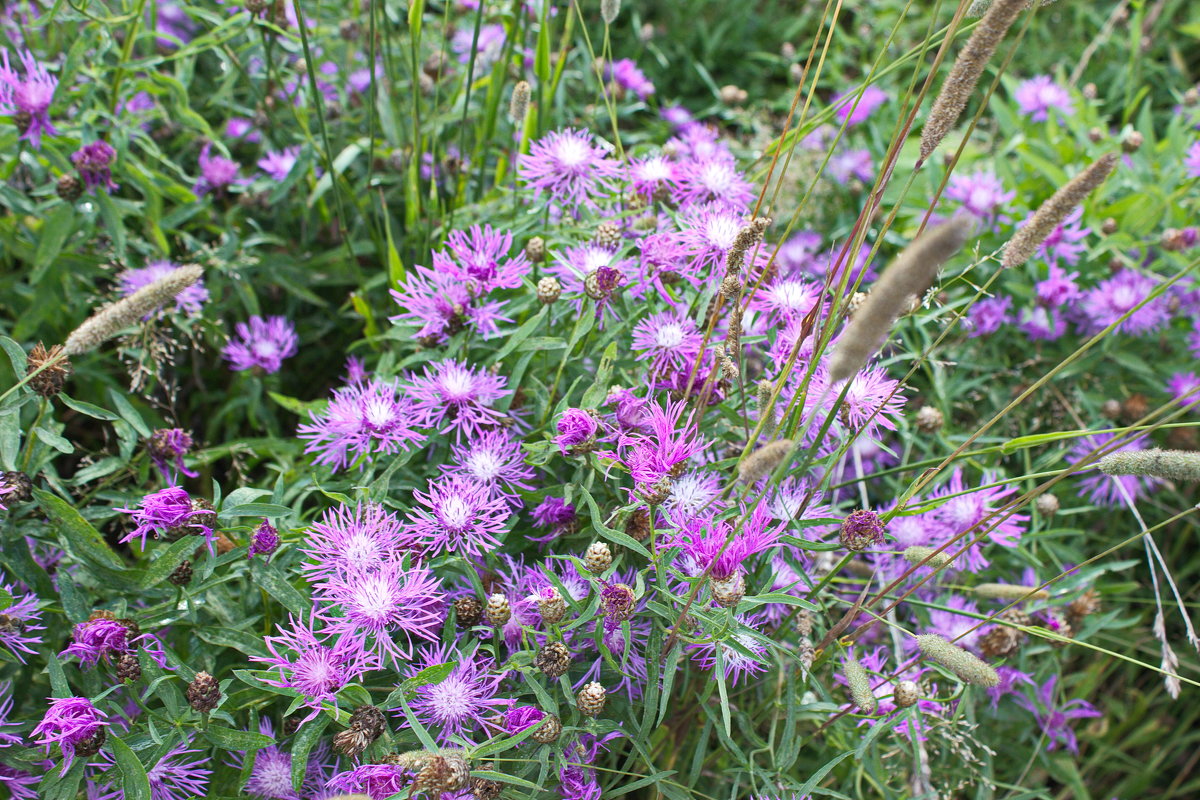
554, 514
27, 99
625, 73
94, 162
861, 530
578, 783
168, 446
68, 722
365, 419
1056, 719
987, 315
187, 301
264, 542
377, 781
522, 718
576, 429
262, 344
97, 639
1010, 679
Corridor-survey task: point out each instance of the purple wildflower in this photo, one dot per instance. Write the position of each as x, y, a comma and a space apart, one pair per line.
956, 626
23, 610
187, 301
271, 772
853, 107
522, 718
463, 518
1064, 242
6, 705
665, 450
1038, 95
465, 700
456, 397
981, 193
987, 315
480, 257
94, 162
217, 173
693, 494
1056, 719
97, 639
174, 776
166, 513
316, 665
1109, 490
443, 304
352, 541
68, 722
703, 537
966, 510
377, 781
671, 341
592, 270
577, 429
849, 164
493, 459
262, 344
578, 783
27, 100
364, 419
487, 50
264, 542
707, 233
626, 74
568, 167
1041, 324
554, 514
1191, 161
741, 652
1185, 388
278, 163
1058, 289
1117, 296
168, 446
1010, 680
654, 177
242, 128
713, 180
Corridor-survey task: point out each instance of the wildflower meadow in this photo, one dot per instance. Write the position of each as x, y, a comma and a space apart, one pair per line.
587, 399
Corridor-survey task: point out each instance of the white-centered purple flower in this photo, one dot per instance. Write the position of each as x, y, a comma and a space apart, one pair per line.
669, 340
261, 344
316, 665
465, 701
1112, 299
363, 420
460, 516
355, 540
569, 168
493, 459
452, 396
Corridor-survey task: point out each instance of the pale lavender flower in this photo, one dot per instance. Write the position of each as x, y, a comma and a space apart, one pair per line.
741, 660
68, 722
1055, 719
264, 542
94, 162
872, 402
493, 459
164, 513
22, 784
174, 776
27, 99
271, 772
1184, 387
574, 266
1191, 161
1109, 490
365, 419
217, 173
262, 344
351, 541
854, 108
451, 396
966, 510
786, 298
713, 180
987, 315
461, 516
480, 257
242, 128
188, 301
1057, 289
670, 341
464, 701
443, 304
1041, 323
569, 168
654, 177
626, 74
855, 164
707, 233
981, 193
1039, 95
23, 610
487, 49
316, 665
1113, 298
278, 163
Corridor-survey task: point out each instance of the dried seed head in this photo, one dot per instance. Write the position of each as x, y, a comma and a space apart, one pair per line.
468, 612
1082, 607
16, 487
965, 73
367, 724
551, 605
962, 663
54, 369
1002, 641
498, 612
598, 557
1050, 214
91, 745
553, 659
655, 494
747, 237
128, 668
590, 699
731, 284
764, 460
860, 530
1009, 591
485, 788
182, 575
548, 731
909, 274
1133, 142
1109, 226
916, 554
905, 694
608, 234
638, 524
733, 95
548, 290
69, 188
203, 693
609, 10
728, 592
1046, 505
115, 317
535, 249
859, 684
1175, 465
448, 772
1111, 409
929, 419
518, 107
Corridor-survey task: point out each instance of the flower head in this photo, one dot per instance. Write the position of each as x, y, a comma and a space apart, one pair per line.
554, 514
94, 162
987, 315
1109, 490
465, 700
364, 419
316, 665
577, 428
461, 516
217, 173
1119, 295
262, 344
169, 513
625, 73
278, 163
27, 99
355, 540
1039, 95
1056, 719
264, 542
568, 167
493, 459
22, 620
981, 193
169, 446
97, 639
451, 396
69, 721
377, 781
855, 107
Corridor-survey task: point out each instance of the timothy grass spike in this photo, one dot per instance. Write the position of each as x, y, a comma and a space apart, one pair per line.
1175, 465
115, 317
966, 665
859, 683
763, 460
1009, 591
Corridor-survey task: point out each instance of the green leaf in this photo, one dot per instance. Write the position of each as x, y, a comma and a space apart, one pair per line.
520, 335
135, 785
53, 235
87, 409
230, 739
16, 354
129, 413
54, 440
596, 393
246, 643
168, 559
820, 774
269, 578
305, 740
58, 679
6, 598
76, 532
256, 510
300, 408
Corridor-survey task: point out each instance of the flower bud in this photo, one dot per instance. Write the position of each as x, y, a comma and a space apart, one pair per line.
598, 557
590, 699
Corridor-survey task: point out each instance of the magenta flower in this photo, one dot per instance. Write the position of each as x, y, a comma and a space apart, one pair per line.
966, 510
94, 162
1010, 680
27, 100
1039, 95
1057, 289
24, 611
351, 541
955, 626
576, 428
377, 781
1185, 388
1055, 719
6, 705
451, 396
168, 512
713, 180
855, 108
97, 639
262, 344
1117, 296
271, 771
671, 341
554, 515
316, 665
981, 193
1191, 161
1109, 490
461, 516
68, 722
578, 783
168, 446
493, 459
365, 419
872, 402
480, 256
174, 776
463, 702
278, 163
654, 178
665, 450
1065, 241
22, 784
1041, 324
706, 235
442, 304
703, 537
987, 315
625, 73
577, 267
568, 167
383, 611
188, 301
522, 718
264, 542
217, 173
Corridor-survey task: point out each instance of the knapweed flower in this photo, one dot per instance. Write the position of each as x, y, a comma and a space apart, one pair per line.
594, 271
486, 50
278, 163
1010, 680
493, 459
625, 74
168, 446
961, 628
855, 108
578, 783
354, 540
654, 177
663, 452
741, 651
217, 173
848, 164
670, 341
713, 180
1064, 242
1056, 720
188, 301
97, 639
556, 516
385, 610
1037, 96
264, 541
1109, 490
168, 513
987, 315
6, 705
706, 235
175, 776
1185, 388
451, 396
376, 781
461, 516
22, 621
271, 771
577, 430
522, 718
480, 257
21, 784
69, 722
465, 700
1058, 289
966, 510
443, 304
262, 344
1117, 296
569, 168
1041, 324
27, 100
364, 419
1191, 161
981, 193
703, 538
317, 665
94, 162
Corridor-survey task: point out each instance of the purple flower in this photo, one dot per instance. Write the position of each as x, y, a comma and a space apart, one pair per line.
1038, 95
264, 542
554, 514
6, 704
713, 180
217, 173
350, 541
576, 429
94, 162
873, 401
663, 451
852, 164
1185, 388
1010, 679
174, 776
1056, 719
377, 781
965, 510
20, 783
271, 771
1109, 490
742, 661
854, 108
987, 315
703, 537
707, 233
677, 117
465, 700
981, 193
27, 99
487, 49
169, 446
97, 639
392, 605
1117, 296
592, 270
522, 718
68, 722
1064, 241
1058, 289
167, 512
364, 419
1041, 323
462, 518
627, 75
443, 304
24, 611
1191, 161
954, 625
566, 166
242, 128
187, 301
316, 665
456, 397
262, 344
278, 163
578, 783
480, 257
493, 459
671, 341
